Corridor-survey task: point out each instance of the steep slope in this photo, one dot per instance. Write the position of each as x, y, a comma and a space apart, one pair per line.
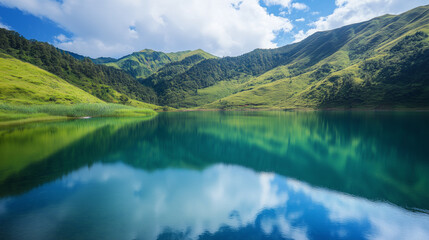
327, 69
159, 79
144, 63
24, 83
98, 80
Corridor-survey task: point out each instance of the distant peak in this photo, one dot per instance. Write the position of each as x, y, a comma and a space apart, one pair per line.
197, 51
147, 50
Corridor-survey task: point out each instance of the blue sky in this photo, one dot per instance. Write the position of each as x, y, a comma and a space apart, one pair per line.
115, 28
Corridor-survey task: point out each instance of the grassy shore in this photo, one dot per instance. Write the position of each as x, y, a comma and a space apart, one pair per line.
11, 114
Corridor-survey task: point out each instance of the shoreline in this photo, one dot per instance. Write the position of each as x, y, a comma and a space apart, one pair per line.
29, 120
306, 110
11, 115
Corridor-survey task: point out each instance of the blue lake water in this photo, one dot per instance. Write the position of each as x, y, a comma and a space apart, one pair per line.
218, 175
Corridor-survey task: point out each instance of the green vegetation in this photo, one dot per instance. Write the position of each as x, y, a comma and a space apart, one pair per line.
14, 114
144, 63
100, 60
381, 63
30, 94
98, 80
23, 83
162, 79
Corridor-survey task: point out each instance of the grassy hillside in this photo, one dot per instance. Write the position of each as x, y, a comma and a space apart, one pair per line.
98, 80
23, 83
383, 67
179, 56
381, 63
144, 63
31, 94
378, 63
11, 114
161, 80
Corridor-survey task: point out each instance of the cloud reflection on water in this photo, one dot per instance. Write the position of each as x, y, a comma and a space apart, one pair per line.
121, 202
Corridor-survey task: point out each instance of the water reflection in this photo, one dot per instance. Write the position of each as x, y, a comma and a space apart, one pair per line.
234, 175
115, 201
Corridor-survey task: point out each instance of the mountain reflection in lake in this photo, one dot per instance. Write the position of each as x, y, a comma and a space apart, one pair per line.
216, 175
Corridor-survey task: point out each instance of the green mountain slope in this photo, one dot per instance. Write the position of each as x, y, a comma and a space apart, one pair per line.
108, 84
384, 67
144, 63
100, 60
378, 63
24, 83
381, 63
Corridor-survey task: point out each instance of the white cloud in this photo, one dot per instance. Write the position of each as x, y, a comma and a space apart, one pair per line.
354, 11
61, 38
115, 28
300, 6
302, 35
300, 20
283, 3
4, 26
283, 13
286, 4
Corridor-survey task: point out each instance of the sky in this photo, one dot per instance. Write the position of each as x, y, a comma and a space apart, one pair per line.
114, 28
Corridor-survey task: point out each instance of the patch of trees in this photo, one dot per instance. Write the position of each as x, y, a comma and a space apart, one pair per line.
406, 63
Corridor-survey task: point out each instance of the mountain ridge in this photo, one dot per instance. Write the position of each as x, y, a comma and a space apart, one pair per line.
379, 63
147, 61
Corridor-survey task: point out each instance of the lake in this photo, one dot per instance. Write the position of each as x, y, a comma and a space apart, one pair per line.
218, 175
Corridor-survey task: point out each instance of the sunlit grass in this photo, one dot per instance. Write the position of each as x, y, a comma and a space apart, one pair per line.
23, 83
11, 112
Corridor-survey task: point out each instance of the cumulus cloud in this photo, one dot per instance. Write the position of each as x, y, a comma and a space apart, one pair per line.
115, 28
300, 6
354, 11
300, 20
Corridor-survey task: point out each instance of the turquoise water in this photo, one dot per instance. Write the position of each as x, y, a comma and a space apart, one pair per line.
218, 175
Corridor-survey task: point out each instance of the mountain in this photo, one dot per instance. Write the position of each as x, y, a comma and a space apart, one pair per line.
164, 75
100, 60
381, 63
144, 63
103, 60
24, 83
106, 83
